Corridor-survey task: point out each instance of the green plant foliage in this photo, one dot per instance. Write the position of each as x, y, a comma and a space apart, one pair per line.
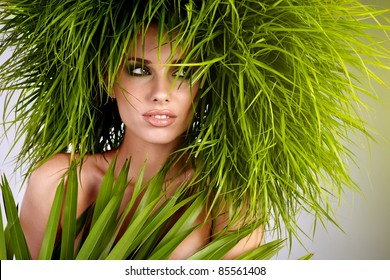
267, 251
281, 82
15, 242
52, 225
146, 237
3, 250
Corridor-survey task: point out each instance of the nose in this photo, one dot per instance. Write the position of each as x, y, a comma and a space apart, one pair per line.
161, 89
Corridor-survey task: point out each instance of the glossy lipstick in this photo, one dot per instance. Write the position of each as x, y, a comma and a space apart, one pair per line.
159, 118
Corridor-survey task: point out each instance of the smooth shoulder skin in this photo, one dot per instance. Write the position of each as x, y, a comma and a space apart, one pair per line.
39, 196
38, 199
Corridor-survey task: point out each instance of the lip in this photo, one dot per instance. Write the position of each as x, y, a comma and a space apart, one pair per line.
159, 118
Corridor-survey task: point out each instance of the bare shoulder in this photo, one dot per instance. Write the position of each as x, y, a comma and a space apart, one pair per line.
51, 170
45, 179
38, 199
50, 173
42, 186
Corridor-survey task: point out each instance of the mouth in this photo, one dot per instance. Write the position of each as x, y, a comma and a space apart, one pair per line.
159, 118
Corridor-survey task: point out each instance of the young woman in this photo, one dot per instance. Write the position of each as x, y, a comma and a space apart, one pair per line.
156, 104
249, 102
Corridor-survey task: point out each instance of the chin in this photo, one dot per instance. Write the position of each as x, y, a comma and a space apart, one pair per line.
160, 139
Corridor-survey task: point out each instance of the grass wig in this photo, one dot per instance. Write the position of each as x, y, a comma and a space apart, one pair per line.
280, 89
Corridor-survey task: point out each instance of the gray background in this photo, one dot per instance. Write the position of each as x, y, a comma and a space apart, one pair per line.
363, 217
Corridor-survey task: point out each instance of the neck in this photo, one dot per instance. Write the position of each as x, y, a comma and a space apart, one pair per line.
141, 153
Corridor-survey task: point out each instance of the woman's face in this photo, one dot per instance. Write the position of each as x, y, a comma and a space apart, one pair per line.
155, 100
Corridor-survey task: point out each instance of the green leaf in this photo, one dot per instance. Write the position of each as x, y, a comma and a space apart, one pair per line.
224, 242
220, 246
83, 226
181, 228
17, 239
152, 231
105, 224
306, 257
149, 199
3, 250
53, 222
154, 190
122, 182
263, 252
166, 248
105, 191
69, 216
148, 241
121, 249
8, 242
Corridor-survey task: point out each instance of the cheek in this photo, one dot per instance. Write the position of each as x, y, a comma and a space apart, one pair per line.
189, 94
129, 93
127, 105
188, 105
186, 97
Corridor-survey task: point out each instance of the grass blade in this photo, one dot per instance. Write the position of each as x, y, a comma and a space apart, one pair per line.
121, 184
70, 212
8, 249
153, 191
263, 252
105, 191
147, 243
306, 257
121, 249
150, 199
217, 248
104, 228
166, 248
185, 224
52, 224
154, 227
152, 230
3, 250
17, 239
94, 244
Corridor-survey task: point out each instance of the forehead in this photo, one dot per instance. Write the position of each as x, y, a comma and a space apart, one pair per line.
151, 45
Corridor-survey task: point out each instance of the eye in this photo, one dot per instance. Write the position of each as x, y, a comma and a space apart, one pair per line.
137, 70
183, 72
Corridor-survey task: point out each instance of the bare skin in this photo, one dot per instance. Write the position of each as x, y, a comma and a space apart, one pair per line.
156, 113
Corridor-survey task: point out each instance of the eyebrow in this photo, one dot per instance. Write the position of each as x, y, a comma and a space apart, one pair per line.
146, 61
177, 61
140, 60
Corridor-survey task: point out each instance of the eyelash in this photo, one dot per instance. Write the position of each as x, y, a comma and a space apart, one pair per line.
144, 71
183, 73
